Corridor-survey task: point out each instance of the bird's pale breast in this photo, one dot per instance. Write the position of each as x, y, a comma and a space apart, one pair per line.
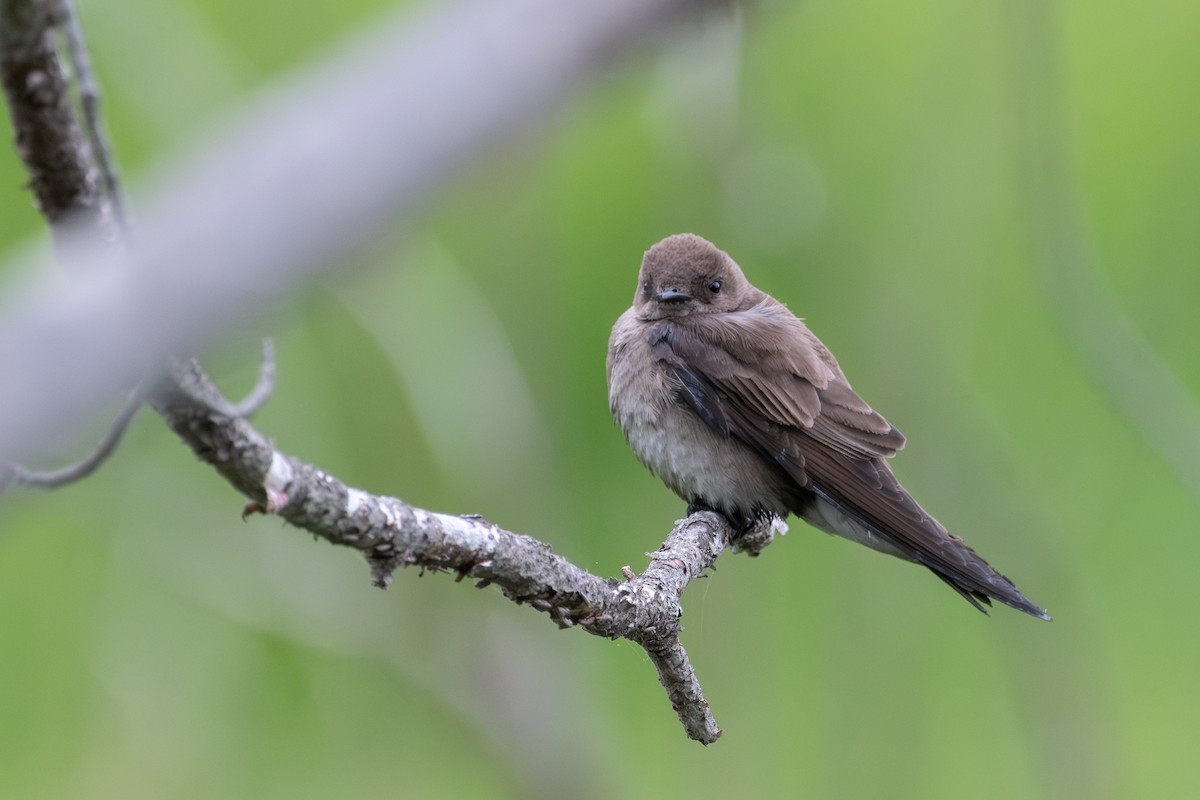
696, 462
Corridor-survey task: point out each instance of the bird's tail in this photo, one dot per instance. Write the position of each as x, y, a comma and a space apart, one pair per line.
1001, 589
898, 525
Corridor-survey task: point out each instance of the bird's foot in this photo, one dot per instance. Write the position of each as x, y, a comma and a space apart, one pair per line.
749, 532
739, 521
758, 533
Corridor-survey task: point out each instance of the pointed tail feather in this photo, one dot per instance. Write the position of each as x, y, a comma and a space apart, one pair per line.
871, 495
1006, 593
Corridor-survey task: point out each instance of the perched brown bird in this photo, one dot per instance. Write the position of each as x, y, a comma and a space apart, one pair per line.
729, 398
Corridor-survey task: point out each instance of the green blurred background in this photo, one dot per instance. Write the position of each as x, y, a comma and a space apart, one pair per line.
987, 210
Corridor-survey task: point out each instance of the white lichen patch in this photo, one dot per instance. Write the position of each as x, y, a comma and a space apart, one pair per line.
355, 499
279, 475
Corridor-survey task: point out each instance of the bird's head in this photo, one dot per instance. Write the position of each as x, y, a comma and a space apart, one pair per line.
686, 274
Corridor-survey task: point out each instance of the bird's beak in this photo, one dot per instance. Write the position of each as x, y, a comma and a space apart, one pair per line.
672, 296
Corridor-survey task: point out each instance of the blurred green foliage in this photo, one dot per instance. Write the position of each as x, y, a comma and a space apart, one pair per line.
881, 168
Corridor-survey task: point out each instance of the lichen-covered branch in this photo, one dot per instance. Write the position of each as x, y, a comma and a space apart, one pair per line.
390, 534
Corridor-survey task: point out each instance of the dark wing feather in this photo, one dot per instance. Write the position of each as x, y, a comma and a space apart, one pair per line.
765, 368
867, 491
768, 364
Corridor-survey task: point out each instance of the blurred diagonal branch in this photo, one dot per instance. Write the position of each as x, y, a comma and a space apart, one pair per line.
1117, 355
277, 196
311, 170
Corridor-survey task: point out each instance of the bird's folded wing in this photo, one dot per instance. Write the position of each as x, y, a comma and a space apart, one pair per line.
763, 369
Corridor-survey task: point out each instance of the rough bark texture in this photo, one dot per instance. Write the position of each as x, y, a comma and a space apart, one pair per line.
389, 534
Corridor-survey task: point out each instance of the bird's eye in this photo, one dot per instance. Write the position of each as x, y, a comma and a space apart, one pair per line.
715, 287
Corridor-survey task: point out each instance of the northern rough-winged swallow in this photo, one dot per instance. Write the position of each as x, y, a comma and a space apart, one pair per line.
729, 398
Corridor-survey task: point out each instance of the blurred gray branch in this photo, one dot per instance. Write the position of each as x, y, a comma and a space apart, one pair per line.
274, 197
287, 187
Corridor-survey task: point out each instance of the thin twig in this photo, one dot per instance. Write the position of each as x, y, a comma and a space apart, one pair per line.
218, 404
53, 479
262, 390
16, 474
